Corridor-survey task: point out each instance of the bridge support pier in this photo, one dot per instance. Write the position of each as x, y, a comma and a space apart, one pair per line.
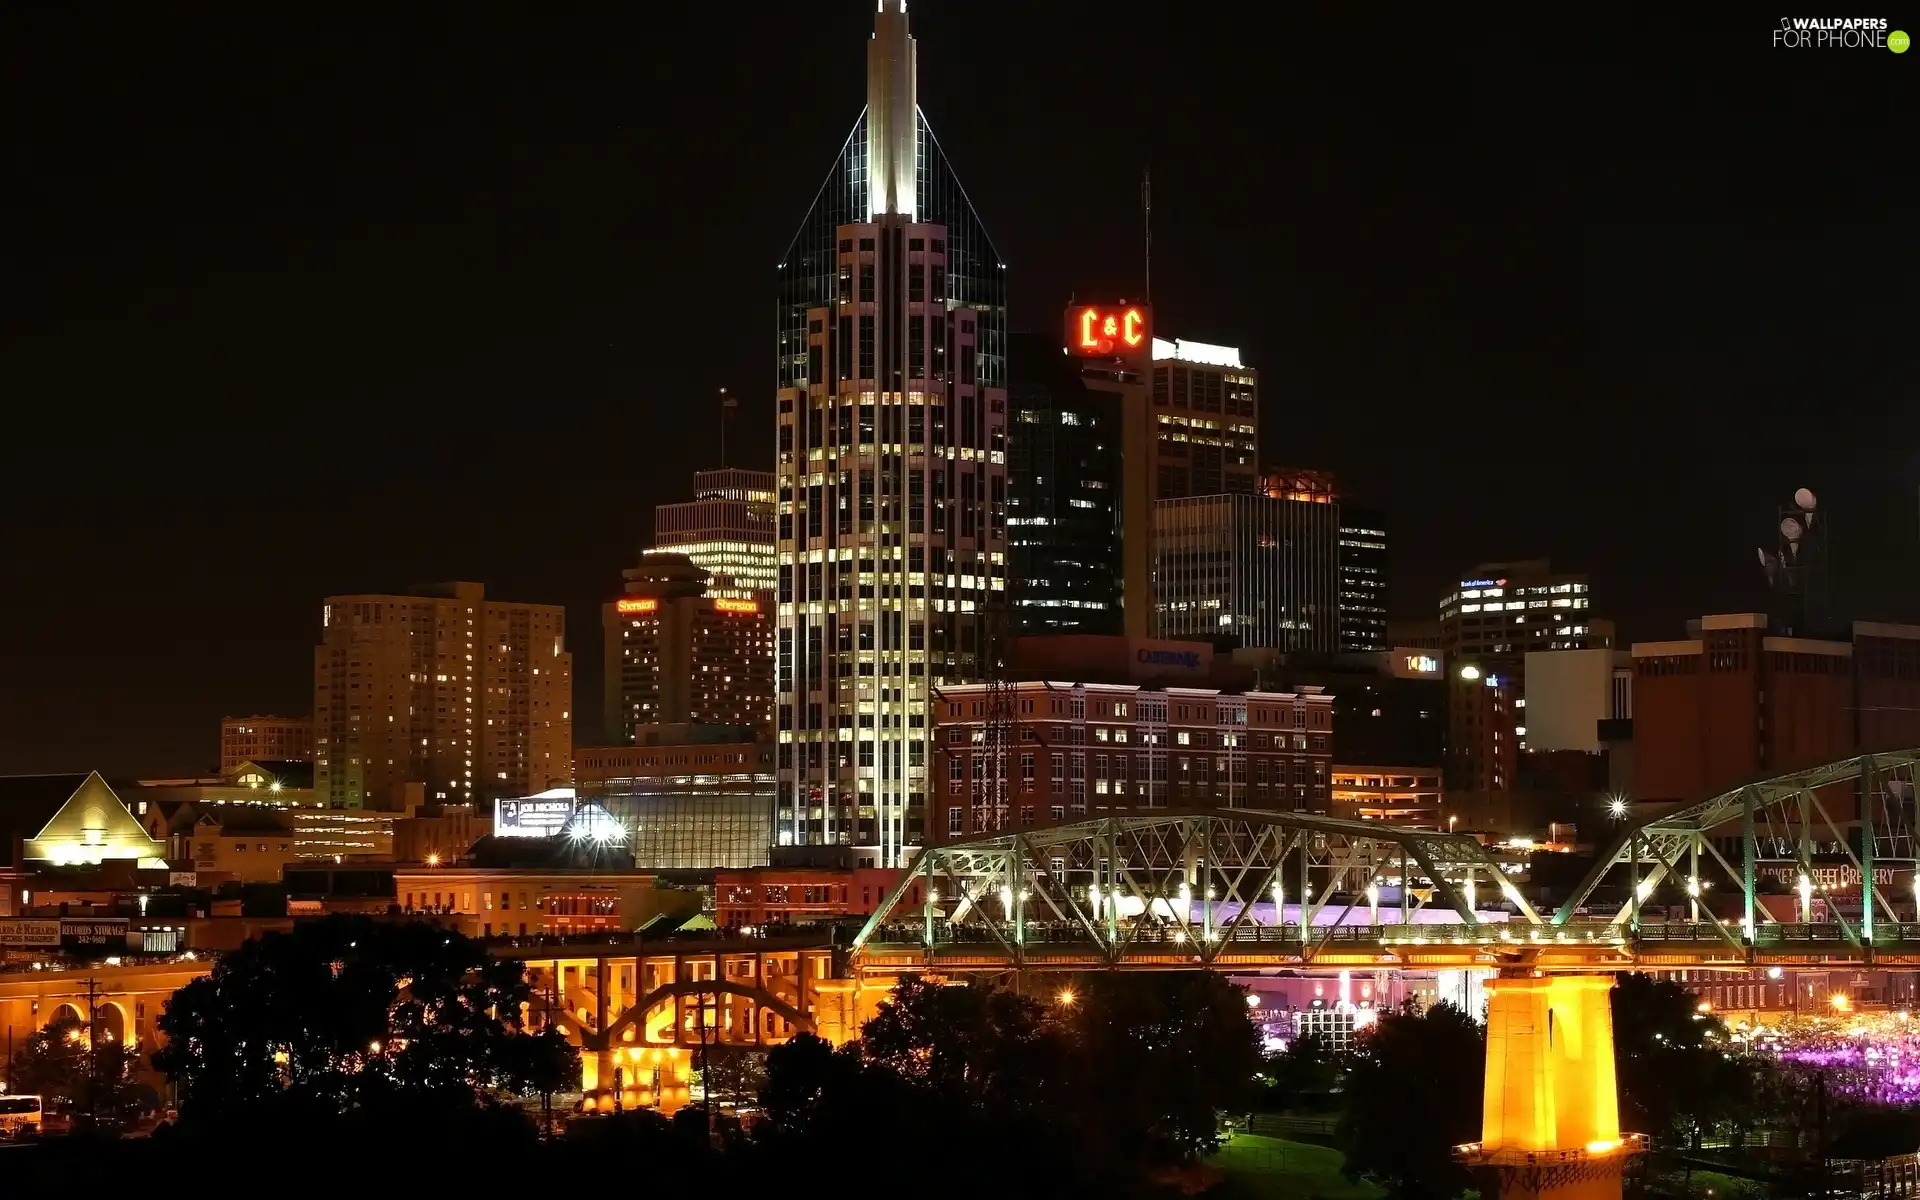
842, 1006
1550, 1123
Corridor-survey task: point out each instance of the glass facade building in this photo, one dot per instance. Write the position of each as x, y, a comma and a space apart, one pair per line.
891, 443
1064, 483
686, 807
727, 528
1251, 570
1363, 578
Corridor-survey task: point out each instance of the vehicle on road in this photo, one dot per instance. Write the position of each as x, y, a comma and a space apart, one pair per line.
21, 1117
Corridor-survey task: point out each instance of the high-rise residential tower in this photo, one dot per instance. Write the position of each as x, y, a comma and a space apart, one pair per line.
676, 653
470, 698
726, 529
892, 470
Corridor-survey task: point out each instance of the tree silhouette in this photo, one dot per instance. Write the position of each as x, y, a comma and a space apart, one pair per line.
60, 1062
1307, 1071
1414, 1088
1157, 1059
350, 1015
1677, 1071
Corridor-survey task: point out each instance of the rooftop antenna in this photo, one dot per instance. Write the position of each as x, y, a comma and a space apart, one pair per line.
1146, 212
728, 406
1797, 569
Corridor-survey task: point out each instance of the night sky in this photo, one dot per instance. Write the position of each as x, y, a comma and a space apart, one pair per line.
303, 299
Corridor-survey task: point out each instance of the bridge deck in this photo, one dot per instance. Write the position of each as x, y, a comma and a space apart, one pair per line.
1576, 946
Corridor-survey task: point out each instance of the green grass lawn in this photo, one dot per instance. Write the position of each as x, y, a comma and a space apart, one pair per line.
1274, 1167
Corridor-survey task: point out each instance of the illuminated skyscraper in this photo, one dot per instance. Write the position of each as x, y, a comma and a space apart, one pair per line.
1065, 479
726, 529
467, 696
892, 469
678, 654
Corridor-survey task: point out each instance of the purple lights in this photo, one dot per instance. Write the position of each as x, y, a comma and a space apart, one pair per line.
1875, 1058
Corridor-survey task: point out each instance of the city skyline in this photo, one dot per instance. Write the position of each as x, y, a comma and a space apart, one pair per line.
1443, 311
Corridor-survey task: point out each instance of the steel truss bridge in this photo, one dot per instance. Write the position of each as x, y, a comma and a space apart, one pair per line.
1237, 889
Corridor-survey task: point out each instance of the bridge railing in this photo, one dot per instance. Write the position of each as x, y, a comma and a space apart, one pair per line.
903, 936
970, 938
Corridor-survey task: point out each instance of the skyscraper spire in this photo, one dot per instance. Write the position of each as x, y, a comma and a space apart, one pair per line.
892, 134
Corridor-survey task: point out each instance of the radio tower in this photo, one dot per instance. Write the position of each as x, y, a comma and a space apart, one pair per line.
999, 732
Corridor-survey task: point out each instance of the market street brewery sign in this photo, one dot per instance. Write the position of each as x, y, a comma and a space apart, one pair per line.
1837, 876
1838, 883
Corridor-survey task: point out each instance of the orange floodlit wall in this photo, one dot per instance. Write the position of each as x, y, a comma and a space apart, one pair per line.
1550, 1081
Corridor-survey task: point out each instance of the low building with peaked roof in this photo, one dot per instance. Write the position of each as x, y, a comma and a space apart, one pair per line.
92, 826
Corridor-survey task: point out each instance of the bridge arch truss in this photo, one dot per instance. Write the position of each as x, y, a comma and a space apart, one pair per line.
1206, 880
1857, 812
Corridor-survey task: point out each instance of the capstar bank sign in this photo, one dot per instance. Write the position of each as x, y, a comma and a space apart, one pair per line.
1158, 659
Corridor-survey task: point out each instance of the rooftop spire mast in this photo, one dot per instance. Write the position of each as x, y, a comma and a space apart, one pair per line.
892, 132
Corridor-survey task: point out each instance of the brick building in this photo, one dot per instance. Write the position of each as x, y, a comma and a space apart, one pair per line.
1078, 749
1733, 702
799, 895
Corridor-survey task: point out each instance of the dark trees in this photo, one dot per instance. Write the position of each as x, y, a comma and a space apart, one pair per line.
351, 1015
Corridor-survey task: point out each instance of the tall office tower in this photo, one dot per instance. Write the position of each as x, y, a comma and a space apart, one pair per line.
1502, 610
470, 698
1499, 612
892, 449
1063, 507
265, 739
1206, 406
678, 654
1363, 578
1257, 570
727, 529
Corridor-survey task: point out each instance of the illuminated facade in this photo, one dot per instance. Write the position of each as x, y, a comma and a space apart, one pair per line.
1083, 749
676, 653
1064, 484
1206, 407
1499, 612
1502, 610
470, 697
255, 842
1259, 569
1191, 428
1550, 1117
727, 530
92, 827
1363, 578
892, 469
500, 901
686, 804
265, 739
1405, 796
781, 895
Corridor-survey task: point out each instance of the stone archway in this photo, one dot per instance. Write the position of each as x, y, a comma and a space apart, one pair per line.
112, 1024
695, 987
